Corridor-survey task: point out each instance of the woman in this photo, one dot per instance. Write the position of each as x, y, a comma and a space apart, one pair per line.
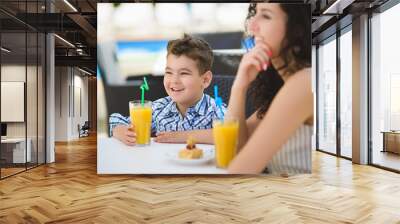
278, 135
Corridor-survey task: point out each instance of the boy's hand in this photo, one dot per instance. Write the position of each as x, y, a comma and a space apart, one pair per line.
125, 134
171, 137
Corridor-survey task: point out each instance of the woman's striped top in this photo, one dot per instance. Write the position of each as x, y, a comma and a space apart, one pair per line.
295, 155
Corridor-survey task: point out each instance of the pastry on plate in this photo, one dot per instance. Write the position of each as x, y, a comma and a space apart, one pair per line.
190, 152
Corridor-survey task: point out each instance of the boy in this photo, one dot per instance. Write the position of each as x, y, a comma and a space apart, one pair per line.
186, 110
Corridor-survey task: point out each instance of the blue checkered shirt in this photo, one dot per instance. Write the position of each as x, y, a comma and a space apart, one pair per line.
166, 116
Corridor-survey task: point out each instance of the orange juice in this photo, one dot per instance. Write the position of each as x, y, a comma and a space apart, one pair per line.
226, 134
141, 119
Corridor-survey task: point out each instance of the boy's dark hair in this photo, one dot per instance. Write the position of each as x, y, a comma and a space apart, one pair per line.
193, 48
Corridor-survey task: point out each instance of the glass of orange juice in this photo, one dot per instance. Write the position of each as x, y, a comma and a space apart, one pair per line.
226, 134
141, 120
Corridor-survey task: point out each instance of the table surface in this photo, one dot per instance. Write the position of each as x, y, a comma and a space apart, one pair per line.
114, 157
13, 140
391, 132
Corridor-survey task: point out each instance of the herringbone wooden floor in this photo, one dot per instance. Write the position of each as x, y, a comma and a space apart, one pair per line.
70, 191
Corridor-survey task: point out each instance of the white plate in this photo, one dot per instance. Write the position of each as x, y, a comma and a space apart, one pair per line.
208, 155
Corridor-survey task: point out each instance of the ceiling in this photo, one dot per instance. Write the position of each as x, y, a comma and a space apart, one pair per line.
76, 22
330, 15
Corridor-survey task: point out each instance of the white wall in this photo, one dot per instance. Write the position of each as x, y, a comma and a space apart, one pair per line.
71, 93
33, 127
17, 73
81, 94
61, 103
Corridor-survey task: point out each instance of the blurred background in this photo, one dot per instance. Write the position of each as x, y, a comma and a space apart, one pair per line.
131, 47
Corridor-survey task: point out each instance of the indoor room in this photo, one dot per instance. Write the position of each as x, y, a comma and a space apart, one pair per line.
315, 141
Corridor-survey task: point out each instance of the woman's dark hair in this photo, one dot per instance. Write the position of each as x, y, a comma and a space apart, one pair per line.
263, 90
295, 52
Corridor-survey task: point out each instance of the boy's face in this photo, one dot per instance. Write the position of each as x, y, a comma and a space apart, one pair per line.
183, 81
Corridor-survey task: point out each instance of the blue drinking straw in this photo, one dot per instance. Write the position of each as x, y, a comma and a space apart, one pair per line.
248, 43
215, 91
218, 100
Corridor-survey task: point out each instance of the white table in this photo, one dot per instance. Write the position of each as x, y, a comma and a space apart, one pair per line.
19, 155
114, 157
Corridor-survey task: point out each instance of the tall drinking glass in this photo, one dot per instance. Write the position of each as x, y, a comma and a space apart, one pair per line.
226, 134
141, 120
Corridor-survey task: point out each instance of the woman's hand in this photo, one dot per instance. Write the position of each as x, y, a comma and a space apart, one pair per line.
125, 134
256, 60
171, 137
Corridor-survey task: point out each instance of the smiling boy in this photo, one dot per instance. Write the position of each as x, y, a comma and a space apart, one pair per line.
187, 110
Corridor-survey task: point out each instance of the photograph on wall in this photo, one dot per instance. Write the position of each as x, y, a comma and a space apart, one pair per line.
213, 88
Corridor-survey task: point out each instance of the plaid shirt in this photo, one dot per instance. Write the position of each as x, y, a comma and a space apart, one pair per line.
166, 116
